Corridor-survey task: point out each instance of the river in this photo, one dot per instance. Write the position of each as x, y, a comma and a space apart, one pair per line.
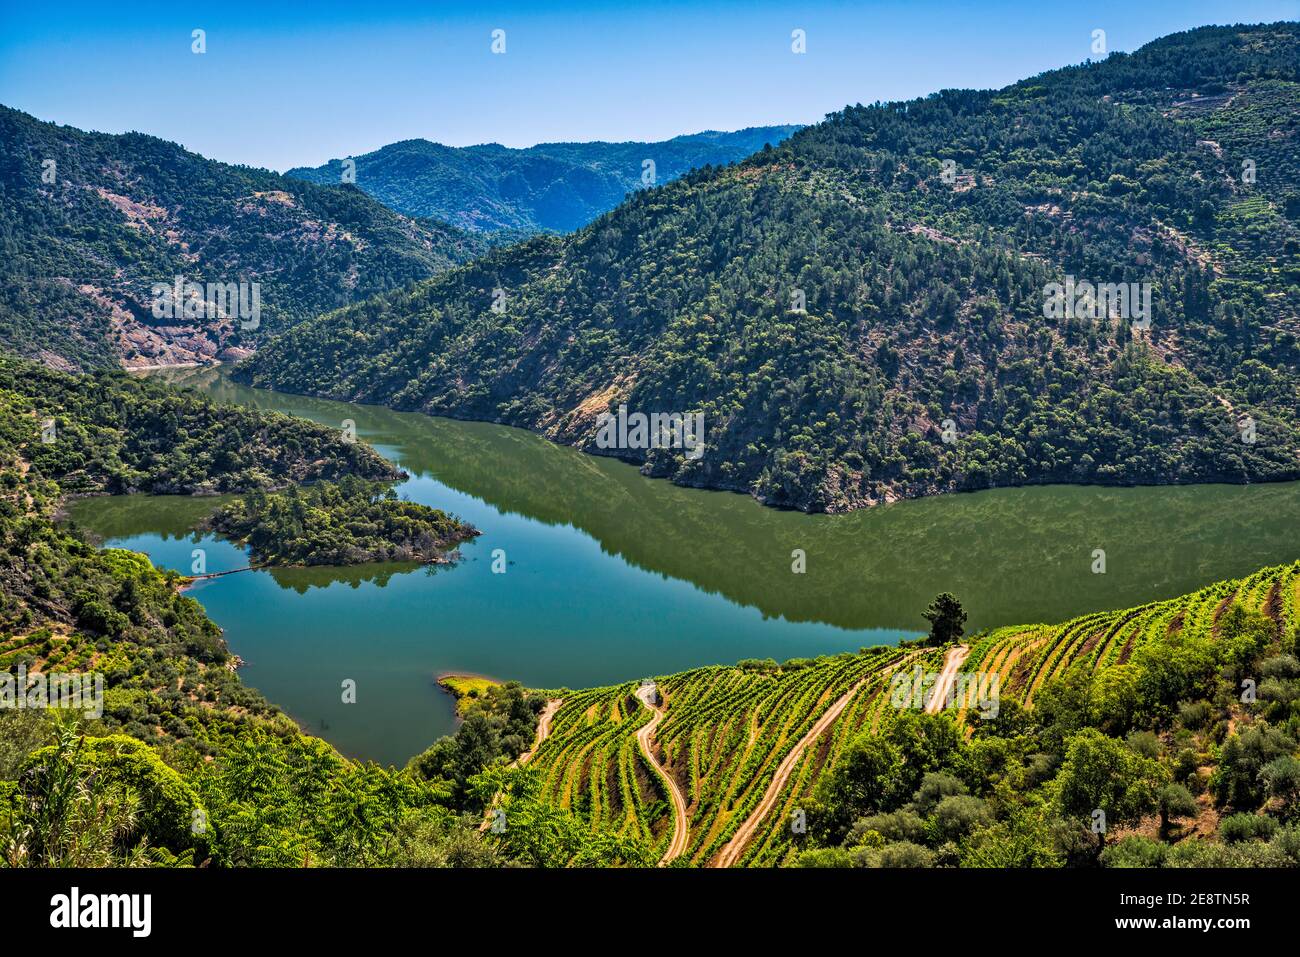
612, 576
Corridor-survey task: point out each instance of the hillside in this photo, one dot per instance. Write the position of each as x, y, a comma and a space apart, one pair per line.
1138, 712
110, 433
173, 761
90, 222
1178, 719
551, 187
858, 322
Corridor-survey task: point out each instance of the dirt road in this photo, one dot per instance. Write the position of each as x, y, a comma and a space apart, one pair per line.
543, 728
735, 847
952, 663
677, 846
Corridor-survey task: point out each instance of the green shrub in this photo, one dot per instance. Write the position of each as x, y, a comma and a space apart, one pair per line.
1135, 851
167, 804
1236, 828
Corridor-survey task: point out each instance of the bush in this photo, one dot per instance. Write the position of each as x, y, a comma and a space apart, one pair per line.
957, 816
897, 826
1203, 854
1174, 801
1287, 843
1145, 743
167, 805
825, 857
935, 786
1236, 828
1135, 851
902, 854
1283, 666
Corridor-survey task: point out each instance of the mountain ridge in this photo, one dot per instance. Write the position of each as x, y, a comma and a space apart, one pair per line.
918, 241
549, 187
91, 222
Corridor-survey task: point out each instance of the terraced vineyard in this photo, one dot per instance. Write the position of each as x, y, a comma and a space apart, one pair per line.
1025, 657
591, 763
727, 730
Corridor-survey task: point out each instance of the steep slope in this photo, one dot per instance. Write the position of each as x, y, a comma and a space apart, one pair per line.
90, 222
859, 321
759, 749
112, 433
551, 187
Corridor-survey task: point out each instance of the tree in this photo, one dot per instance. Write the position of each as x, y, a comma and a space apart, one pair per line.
1282, 778
946, 618
1237, 783
1174, 801
1101, 774
862, 782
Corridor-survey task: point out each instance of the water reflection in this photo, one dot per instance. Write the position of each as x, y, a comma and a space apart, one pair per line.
1012, 555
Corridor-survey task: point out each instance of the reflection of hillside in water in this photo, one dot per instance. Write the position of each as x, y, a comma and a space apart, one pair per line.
303, 579
172, 517
1011, 555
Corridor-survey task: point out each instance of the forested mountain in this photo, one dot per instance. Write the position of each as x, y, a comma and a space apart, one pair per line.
111, 433
551, 187
862, 313
90, 222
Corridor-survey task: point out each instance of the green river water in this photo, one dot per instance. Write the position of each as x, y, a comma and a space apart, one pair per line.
613, 576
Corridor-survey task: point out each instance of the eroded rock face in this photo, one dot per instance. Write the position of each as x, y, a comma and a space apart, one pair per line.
119, 217
142, 342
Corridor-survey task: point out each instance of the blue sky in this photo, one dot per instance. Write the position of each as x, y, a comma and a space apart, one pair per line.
286, 84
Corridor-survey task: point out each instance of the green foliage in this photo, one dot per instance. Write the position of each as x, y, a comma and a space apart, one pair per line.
1135, 851
166, 806
343, 523
1237, 781
538, 834
1100, 773
1024, 839
1236, 828
923, 302
67, 811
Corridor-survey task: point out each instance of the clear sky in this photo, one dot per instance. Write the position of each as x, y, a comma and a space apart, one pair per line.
287, 84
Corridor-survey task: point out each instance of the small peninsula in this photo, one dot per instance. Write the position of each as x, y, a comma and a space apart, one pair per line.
348, 522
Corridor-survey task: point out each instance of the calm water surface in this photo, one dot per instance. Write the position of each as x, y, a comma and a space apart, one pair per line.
613, 576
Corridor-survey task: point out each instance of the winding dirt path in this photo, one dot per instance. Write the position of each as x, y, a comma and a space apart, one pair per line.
543, 732
677, 846
543, 728
730, 854
952, 663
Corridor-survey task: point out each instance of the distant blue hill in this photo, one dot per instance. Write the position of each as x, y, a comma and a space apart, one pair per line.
551, 187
